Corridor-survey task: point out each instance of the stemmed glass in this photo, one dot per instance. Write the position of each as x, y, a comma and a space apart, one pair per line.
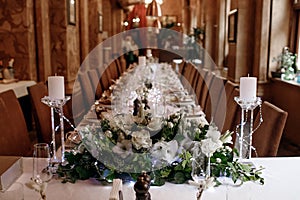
200, 164
41, 167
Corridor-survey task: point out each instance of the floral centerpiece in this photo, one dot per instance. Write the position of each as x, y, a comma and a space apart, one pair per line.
121, 147
171, 147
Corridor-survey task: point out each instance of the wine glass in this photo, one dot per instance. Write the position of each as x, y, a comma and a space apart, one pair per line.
41, 164
177, 61
198, 164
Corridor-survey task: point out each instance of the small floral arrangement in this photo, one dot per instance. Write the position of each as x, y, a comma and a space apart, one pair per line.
285, 60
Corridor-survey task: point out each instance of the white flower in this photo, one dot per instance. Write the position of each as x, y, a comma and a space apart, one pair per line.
218, 160
228, 148
175, 120
166, 151
170, 125
141, 139
209, 146
108, 133
123, 148
155, 124
226, 138
213, 133
197, 130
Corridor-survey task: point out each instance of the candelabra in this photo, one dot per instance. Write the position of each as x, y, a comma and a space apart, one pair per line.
244, 138
57, 104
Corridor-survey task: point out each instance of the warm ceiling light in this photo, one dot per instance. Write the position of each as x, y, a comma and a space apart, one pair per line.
153, 9
149, 1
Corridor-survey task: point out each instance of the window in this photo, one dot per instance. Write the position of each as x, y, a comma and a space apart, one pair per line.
297, 30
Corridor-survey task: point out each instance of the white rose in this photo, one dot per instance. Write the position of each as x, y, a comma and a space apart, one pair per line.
218, 160
228, 148
165, 150
197, 130
175, 120
170, 125
108, 133
213, 133
141, 139
209, 146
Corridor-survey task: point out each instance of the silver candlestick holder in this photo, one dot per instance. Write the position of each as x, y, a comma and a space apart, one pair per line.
57, 104
244, 136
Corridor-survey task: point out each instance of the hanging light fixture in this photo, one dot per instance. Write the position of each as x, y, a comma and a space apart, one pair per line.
153, 9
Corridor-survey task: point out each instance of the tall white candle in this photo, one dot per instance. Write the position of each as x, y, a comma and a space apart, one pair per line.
56, 87
142, 60
248, 88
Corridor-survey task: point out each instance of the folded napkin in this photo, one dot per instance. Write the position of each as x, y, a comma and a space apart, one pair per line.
116, 191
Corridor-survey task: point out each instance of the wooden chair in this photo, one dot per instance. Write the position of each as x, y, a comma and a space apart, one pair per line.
229, 120
205, 88
95, 82
216, 91
188, 77
113, 69
106, 79
267, 137
79, 108
14, 138
200, 83
87, 89
181, 67
41, 112
227, 106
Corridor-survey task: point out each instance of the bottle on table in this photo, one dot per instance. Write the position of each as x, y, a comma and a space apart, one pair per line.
11, 68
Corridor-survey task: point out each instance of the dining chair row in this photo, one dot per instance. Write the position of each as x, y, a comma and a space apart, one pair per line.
92, 83
216, 95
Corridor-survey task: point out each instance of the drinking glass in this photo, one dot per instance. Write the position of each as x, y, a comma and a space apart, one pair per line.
200, 168
41, 163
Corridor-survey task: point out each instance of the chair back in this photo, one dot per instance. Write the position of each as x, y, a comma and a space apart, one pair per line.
87, 89
41, 112
227, 106
216, 91
14, 137
266, 138
205, 89
95, 81
232, 115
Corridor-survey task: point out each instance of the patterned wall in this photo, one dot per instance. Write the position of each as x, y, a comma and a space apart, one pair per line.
17, 37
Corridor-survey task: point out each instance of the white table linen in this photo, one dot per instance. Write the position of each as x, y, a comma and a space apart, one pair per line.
281, 182
20, 87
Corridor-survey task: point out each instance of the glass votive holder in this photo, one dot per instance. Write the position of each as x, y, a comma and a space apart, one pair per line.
14, 192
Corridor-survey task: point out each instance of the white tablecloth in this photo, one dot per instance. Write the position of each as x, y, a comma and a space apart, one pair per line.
281, 182
20, 87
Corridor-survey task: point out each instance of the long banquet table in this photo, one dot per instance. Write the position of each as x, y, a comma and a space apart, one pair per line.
281, 176
281, 182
